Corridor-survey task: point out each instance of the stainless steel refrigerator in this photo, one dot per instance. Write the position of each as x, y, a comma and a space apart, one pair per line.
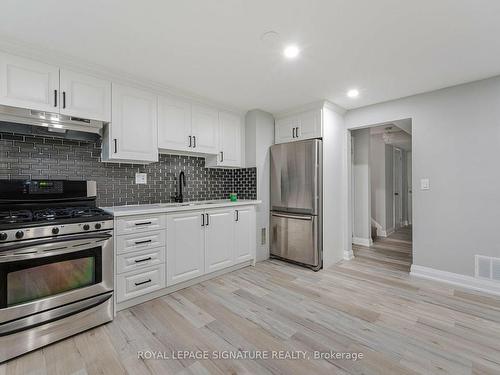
296, 202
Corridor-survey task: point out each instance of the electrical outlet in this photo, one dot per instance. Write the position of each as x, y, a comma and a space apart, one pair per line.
141, 178
424, 184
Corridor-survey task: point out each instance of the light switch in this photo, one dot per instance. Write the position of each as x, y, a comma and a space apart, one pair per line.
141, 178
424, 184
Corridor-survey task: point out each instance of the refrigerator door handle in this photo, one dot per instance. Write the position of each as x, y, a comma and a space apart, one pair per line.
286, 216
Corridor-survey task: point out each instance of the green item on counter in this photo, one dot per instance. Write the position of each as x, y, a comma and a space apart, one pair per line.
233, 197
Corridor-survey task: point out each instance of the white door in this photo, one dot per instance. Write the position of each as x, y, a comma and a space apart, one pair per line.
244, 234
309, 125
185, 246
219, 239
398, 188
284, 129
134, 125
205, 129
174, 124
230, 140
85, 96
28, 84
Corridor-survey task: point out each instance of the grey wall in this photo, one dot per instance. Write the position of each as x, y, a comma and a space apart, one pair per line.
389, 188
259, 136
28, 157
362, 184
455, 143
381, 183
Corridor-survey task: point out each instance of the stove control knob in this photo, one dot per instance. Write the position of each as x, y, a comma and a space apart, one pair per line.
98, 226
55, 230
86, 227
3, 236
19, 234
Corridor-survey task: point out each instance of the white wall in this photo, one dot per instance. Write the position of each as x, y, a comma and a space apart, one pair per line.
409, 185
455, 143
336, 225
377, 172
259, 136
389, 189
361, 188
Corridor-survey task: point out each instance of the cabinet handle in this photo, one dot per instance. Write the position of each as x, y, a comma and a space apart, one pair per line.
237, 215
143, 282
64, 99
208, 219
190, 141
293, 132
55, 98
194, 141
297, 132
116, 145
142, 242
142, 260
221, 156
143, 223
202, 220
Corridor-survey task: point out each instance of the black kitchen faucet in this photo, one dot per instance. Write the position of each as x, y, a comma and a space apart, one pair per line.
182, 182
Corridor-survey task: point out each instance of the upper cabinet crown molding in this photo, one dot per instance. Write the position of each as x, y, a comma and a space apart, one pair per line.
31, 84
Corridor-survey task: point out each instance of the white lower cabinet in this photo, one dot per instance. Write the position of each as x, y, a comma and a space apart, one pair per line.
185, 242
219, 239
136, 283
244, 234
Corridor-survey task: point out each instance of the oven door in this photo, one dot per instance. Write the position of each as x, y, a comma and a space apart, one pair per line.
43, 274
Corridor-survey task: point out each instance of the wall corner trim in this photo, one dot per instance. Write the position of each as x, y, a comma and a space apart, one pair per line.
463, 281
348, 255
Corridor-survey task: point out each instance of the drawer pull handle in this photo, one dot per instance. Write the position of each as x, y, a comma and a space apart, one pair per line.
142, 242
143, 282
144, 223
142, 260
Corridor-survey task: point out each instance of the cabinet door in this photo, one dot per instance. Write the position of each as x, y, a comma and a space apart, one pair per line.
205, 129
174, 124
28, 84
134, 125
219, 239
245, 234
229, 140
309, 125
85, 96
284, 129
185, 246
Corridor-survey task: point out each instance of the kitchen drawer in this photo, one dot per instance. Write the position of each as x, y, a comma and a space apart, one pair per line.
139, 223
140, 259
136, 283
140, 241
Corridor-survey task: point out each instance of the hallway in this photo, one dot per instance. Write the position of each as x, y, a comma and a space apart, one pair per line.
393, 252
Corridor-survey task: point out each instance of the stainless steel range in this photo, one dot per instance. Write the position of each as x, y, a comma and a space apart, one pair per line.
56, 263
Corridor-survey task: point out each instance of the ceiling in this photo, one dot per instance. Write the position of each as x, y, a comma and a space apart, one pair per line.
397, 134
213, 48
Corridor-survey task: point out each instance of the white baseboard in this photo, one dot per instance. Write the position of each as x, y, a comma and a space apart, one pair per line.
463, 281
348, 255
385, 233
405, 223
362, 241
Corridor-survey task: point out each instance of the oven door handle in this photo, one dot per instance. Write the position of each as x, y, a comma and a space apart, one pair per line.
52, 315
39, 249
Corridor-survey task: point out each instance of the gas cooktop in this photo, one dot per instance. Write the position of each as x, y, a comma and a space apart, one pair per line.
51, 214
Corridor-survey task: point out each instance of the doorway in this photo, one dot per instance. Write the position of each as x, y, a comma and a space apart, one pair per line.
380, 188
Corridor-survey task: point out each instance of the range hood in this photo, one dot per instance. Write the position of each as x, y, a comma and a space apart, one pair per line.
34, 122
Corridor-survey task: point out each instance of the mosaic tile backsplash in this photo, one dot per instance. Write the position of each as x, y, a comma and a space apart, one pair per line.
25, 157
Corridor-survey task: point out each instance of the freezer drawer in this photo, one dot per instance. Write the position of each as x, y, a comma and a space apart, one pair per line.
296, 238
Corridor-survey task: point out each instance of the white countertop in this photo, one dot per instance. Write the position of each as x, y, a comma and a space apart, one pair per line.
156, 208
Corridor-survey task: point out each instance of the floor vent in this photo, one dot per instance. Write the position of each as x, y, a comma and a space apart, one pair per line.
487, 268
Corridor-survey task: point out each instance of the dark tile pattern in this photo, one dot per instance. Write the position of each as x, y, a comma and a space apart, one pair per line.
25, 157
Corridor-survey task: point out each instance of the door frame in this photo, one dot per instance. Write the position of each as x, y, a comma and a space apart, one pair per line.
397, 183
349, 206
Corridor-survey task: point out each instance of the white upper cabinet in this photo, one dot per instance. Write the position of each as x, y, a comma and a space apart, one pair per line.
27, 83
219, 239
174, 124
204, 129
229, 142
305, 125
132, 134
85, 96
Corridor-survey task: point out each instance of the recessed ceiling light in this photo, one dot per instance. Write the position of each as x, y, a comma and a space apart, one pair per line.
291, 51
353, 93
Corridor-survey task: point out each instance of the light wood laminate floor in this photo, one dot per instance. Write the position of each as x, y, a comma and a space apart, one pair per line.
368, 305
